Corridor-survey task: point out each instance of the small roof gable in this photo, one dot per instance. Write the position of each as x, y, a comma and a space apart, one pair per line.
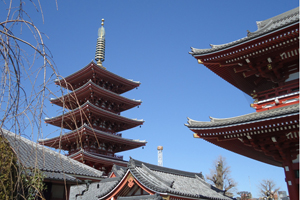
154, 180
53, 164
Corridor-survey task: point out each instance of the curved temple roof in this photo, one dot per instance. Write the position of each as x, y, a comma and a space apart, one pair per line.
88, 107
241, 134
87, 72
89, 87
105, 160
263, 28
243, 119
159, 180
73, 135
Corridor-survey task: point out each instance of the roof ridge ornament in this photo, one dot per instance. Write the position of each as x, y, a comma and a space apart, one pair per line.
100, 48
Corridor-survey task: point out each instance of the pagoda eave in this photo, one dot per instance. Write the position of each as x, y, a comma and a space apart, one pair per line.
87, 113
94, 92
82, 156
84, 132
87, 72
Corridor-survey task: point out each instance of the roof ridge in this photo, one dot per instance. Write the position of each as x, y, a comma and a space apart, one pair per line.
167, 183
165, 169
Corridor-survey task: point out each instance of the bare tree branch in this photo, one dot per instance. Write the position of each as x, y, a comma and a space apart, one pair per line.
268, 188
220, 176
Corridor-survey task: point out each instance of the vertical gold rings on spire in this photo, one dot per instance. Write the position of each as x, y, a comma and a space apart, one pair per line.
100, 48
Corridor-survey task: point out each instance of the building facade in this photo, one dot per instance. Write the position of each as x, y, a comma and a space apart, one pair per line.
264, 65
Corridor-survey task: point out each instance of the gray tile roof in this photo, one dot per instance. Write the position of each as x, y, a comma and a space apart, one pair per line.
160, 180
263, 27
178, 183
94, 189
146, 197
243, 119
53, 164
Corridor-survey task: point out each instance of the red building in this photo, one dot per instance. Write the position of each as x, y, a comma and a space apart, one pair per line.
264, 65
93, 105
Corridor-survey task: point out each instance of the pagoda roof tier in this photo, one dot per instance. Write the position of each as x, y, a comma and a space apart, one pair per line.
92, 71
261, 60
267, 136
90, 114
94, 93
84, 132
102, 160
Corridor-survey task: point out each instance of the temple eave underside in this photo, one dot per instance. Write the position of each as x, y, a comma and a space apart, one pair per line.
257, 64
269, 141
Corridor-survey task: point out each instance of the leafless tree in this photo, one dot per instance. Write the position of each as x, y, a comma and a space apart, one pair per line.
26, 71
220, 176
268, 188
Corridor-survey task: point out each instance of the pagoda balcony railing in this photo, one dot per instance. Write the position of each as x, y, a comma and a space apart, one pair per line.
106, 130
97, 152
286, 89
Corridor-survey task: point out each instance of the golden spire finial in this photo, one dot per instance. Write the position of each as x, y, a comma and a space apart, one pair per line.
100, 48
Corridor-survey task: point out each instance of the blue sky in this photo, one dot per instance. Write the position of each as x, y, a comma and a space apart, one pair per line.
149, 41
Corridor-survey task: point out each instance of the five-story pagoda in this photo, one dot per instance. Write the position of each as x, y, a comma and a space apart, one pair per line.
94, 104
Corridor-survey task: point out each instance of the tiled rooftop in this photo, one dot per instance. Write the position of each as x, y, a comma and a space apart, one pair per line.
53, 164
252, 117
159, 179
263, 28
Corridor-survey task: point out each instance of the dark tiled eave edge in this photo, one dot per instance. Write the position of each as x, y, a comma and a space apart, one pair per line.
254, 35
98, 157
246, 119
110, 74
118, 180
96, 131
97, 108
114, 95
